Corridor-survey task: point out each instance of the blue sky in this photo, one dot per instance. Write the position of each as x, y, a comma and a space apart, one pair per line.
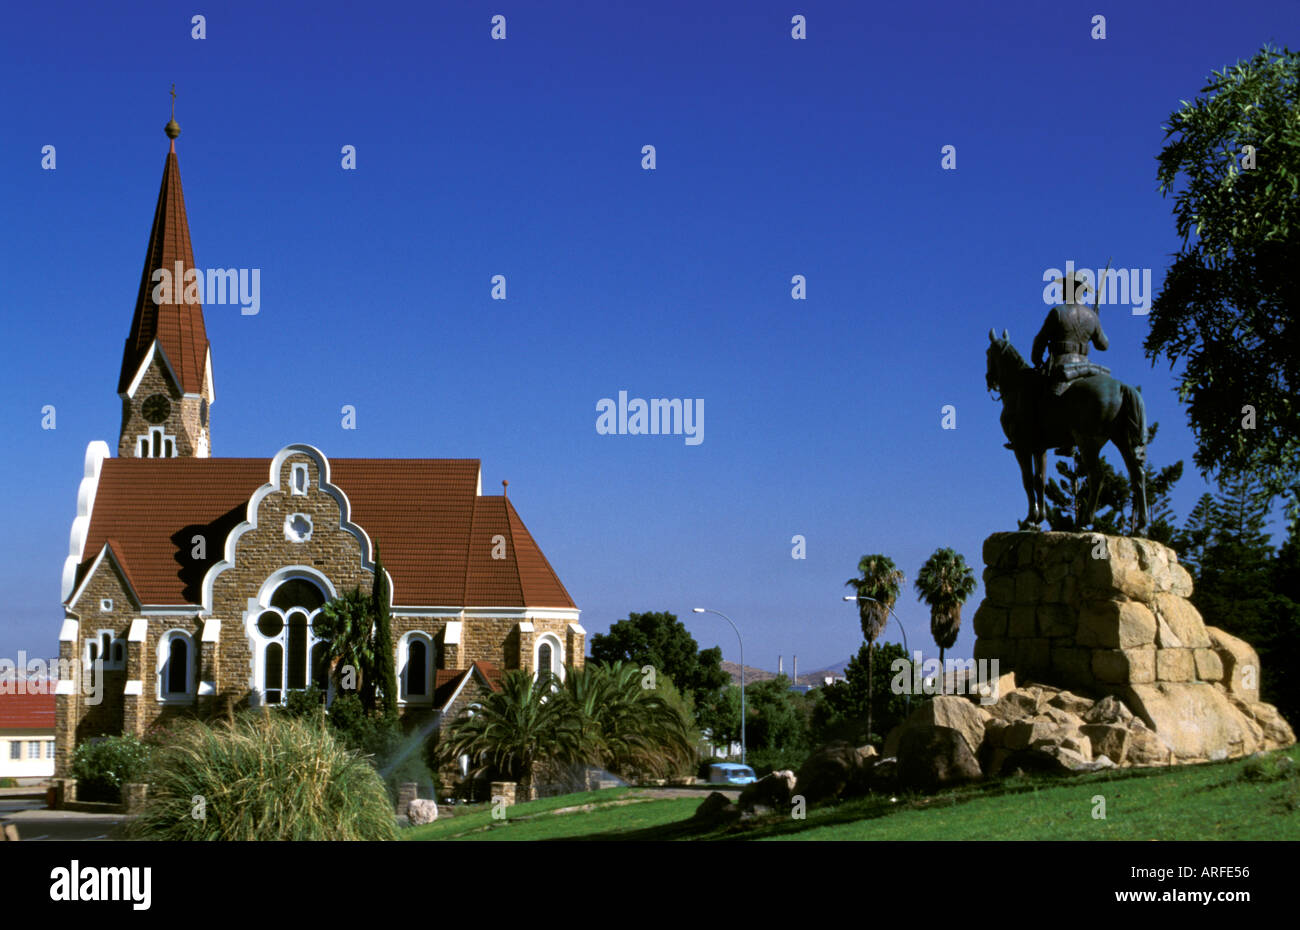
522, 157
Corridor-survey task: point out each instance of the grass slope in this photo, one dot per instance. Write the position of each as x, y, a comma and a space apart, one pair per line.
1239, 800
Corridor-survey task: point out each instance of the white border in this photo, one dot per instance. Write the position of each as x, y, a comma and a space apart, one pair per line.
96, 452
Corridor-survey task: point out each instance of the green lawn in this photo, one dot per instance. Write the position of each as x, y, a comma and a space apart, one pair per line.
1239, 800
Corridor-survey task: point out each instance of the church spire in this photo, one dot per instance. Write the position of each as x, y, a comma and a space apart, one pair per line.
165, 382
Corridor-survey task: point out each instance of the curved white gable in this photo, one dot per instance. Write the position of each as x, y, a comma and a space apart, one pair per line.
96, 452
254, 503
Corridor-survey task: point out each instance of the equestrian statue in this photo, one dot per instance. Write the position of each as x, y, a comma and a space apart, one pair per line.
1068, 402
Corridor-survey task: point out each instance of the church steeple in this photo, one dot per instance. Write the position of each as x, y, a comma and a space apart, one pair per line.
166, 378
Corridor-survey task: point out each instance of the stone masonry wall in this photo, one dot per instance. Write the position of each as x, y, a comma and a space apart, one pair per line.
1110, 615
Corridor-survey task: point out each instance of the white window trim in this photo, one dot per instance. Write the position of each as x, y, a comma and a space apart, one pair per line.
296, 469
557, 654
160, 674
107, 657
403, 657
144, 444
259, 642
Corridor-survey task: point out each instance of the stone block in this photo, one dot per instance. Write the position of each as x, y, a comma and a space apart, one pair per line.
1108, 739
1240, 664
1175, 665
996, 548
1056, 620
990, 621
999, 588
990, 648
1029, 587
1209, 667
1071, 703
1021, 621
1122, 666
1072, 666
1196, 721
1033, 657
1115, 624
1183, 622
1025, 733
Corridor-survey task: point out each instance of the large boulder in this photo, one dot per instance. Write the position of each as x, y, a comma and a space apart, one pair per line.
935, 757
421, 811
829, 770
1108, 739
1240, 664
944, 710
772, 791
1196, 721
716, 806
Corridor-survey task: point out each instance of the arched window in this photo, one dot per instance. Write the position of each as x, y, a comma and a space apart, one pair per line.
548, 657
288, 655
415, 664
176, 667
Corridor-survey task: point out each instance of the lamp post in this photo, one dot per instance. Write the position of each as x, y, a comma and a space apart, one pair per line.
707, 610
907, 698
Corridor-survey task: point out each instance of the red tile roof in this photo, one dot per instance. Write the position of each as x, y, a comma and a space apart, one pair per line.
434, 531
27, 711
178, 327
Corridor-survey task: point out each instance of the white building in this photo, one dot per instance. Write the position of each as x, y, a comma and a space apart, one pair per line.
27, 731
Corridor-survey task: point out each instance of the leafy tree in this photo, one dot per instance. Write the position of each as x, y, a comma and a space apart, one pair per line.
878, 585
720, 716
385, 672
660, 640
519, 732
843, 707
944, 582
1190, 541
1226, 309
1234, 589
1282, 673
348, 625
1065, 496
632, 730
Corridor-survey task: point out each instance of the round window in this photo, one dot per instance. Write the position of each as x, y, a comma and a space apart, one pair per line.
270, 624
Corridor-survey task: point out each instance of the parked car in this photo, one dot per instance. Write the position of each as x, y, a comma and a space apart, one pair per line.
731, 773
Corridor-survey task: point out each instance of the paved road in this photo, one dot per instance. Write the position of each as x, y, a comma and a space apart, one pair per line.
34, 822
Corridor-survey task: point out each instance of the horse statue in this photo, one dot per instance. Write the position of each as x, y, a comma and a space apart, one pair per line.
1090, 412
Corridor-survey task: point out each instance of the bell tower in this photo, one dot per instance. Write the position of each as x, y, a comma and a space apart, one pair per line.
166, 379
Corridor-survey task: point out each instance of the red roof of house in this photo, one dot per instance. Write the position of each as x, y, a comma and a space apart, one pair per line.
27, 711
433, 529
178, 327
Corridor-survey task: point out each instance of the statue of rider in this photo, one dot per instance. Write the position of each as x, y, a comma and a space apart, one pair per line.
1066, 334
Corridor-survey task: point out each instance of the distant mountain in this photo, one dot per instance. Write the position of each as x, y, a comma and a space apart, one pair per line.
814, 678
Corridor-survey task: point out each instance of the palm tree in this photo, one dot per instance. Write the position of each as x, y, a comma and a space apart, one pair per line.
347, 623
518, 731
879, 579
627, 728
944, 583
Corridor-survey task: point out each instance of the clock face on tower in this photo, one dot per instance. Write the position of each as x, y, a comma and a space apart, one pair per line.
156, 408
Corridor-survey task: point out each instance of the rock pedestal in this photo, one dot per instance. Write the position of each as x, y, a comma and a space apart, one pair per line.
1110, 615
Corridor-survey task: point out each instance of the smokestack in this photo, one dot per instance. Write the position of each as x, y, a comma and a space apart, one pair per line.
796, 668
780, 665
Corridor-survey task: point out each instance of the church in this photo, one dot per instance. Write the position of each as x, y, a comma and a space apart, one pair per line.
192, 583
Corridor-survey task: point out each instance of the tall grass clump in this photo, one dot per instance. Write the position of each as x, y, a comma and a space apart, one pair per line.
262, 777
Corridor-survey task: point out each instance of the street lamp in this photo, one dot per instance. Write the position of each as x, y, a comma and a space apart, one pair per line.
907, 698
863, 597
707, 610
